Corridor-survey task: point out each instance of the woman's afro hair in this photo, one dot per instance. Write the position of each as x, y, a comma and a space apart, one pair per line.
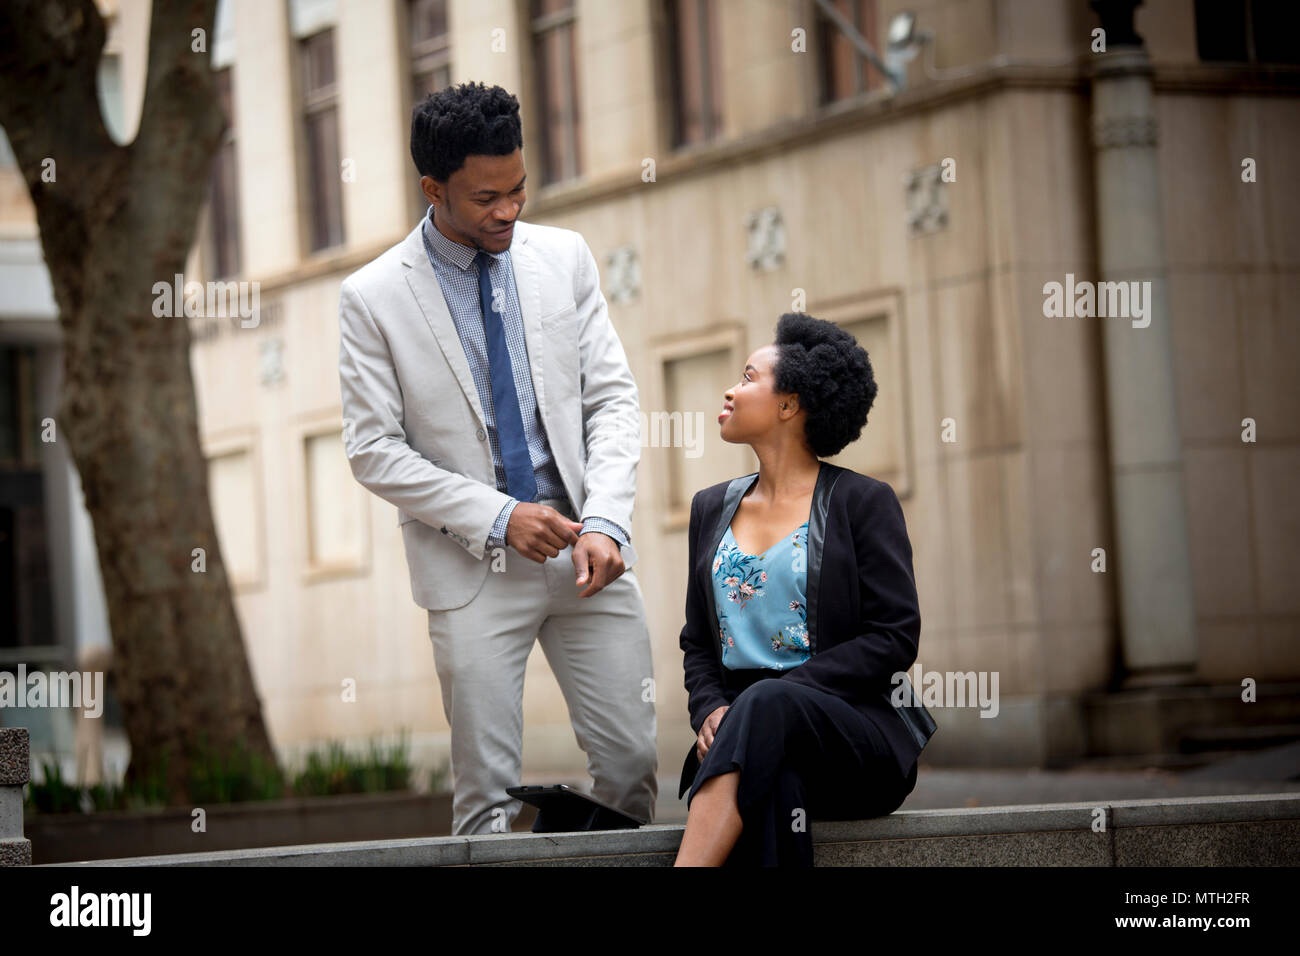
459, 121
831, 374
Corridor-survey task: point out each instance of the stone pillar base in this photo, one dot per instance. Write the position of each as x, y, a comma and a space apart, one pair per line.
15, 852
15, 766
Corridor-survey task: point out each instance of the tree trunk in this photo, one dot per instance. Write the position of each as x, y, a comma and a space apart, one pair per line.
116, 220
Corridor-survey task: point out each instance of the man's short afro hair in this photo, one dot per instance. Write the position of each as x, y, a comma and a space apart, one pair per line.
459, 121
831, 374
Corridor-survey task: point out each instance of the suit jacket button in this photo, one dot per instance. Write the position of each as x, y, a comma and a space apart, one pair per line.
481, 434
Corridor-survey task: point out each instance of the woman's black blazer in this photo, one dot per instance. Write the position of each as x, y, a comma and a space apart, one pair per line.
864, 620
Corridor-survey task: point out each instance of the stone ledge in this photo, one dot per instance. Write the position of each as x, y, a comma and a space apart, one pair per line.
1256, 829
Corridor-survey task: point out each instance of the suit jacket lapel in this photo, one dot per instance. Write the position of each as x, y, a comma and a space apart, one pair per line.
428, 296
528, 288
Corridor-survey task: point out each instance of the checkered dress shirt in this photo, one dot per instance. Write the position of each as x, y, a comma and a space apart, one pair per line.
453, 263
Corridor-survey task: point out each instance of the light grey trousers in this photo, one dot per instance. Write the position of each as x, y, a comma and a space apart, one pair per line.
599, 650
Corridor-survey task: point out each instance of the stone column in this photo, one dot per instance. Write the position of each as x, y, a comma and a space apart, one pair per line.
1151, 559
15, 849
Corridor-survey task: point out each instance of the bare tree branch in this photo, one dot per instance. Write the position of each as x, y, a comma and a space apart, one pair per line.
49, 57
181, 123
49, 107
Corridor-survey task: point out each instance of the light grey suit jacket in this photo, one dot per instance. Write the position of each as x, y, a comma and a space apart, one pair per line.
413, 427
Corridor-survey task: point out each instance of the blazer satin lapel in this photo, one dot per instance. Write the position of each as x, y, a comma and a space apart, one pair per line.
826, 479
730, 502
428, 296
704, 567
736, 490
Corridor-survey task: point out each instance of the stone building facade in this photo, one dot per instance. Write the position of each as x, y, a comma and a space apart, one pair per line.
730, 160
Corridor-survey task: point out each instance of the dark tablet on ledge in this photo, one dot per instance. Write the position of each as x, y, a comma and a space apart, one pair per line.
561, 808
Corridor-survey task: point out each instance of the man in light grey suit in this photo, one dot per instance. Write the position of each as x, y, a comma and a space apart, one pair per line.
487, 396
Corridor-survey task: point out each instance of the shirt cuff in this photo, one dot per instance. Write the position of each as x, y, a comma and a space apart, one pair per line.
497, 536
605, 526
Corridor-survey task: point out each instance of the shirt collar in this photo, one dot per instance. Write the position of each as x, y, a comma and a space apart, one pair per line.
449, 250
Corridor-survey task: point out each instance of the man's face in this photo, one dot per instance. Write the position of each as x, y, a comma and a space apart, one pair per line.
479, 203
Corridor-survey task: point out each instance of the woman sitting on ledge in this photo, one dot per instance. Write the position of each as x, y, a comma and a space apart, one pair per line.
801, 608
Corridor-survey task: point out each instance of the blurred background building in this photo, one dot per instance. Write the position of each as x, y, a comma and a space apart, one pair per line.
727, 161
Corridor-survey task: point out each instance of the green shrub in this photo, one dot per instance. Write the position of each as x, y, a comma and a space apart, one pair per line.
53, 794
234, 777
439, 779
238, 776
334, 771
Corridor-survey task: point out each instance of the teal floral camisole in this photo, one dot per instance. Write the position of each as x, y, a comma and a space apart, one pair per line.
762, 618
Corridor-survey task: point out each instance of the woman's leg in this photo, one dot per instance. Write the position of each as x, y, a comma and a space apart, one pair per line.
777, 830
789, 754
713, 823
748, 756
857, 777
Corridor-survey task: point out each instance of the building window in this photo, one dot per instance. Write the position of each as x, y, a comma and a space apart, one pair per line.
879, 450
682, 399
429, 31
232, 493
842, 71
334, 530
26, 608
19, 423
690, 386
430, 46
223, 193
1250, 31
695, 70
882, 450
320, 114
555, 61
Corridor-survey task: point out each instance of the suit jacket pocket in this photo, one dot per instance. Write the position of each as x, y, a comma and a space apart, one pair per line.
560, 326
567, 308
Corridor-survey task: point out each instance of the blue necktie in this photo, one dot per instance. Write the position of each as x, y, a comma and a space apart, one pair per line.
520, 480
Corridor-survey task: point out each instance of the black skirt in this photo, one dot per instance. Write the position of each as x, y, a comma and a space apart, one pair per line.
803, 754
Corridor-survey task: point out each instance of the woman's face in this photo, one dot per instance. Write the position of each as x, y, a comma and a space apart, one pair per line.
751, 407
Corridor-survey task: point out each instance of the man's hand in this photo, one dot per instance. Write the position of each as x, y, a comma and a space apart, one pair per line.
707, 730
539, 532
596, 558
